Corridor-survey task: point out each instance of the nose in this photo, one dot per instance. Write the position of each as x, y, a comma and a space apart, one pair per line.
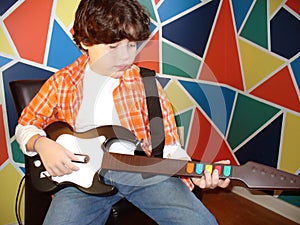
124, 53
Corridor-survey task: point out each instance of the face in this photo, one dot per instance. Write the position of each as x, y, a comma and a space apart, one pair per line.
112, 59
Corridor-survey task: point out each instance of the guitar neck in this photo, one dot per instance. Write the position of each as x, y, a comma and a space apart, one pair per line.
254, 175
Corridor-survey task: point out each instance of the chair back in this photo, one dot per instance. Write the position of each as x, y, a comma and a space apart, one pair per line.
23, 91
36, 203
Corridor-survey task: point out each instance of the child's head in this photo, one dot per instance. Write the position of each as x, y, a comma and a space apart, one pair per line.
110, 21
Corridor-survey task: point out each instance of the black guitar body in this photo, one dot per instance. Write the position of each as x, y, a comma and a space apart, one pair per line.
42, 182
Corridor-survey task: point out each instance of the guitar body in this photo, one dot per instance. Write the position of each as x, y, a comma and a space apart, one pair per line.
90, 144
86, 179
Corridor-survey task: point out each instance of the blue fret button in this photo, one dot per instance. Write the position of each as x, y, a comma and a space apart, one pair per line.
226, 171
199, 168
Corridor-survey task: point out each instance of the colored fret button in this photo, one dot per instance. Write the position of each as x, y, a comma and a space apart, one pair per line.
190, 167
227, 171
199, 168
209, 167
219, 168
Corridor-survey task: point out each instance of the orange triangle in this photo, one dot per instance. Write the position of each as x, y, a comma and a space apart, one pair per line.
149, 56
205, 143
28, 27
280, 90
222, 62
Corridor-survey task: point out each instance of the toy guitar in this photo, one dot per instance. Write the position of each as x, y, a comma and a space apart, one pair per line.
88, 146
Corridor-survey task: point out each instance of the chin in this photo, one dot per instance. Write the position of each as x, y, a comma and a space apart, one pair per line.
117, 75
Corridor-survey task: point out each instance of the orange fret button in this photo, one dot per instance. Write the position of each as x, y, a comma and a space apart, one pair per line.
190, 167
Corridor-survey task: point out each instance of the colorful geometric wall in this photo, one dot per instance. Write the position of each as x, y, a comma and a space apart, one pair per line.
231, 69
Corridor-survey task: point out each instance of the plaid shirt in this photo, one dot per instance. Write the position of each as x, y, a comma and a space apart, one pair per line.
60, 97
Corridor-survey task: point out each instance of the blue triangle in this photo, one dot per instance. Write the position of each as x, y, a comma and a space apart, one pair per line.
62, 51
296, 69
177, 7
4, 60
193, 37
216, 101
5, 5
163, 81
264, 147
240, 9
285, 38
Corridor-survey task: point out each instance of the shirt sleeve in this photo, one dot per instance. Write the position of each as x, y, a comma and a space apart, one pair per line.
23, 135
175, 151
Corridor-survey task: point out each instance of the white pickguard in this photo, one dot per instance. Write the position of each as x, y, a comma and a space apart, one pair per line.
91, 147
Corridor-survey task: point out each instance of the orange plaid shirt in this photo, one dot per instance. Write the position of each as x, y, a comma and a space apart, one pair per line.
60, 97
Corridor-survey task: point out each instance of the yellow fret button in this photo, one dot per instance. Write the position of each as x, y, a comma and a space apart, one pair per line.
209, 168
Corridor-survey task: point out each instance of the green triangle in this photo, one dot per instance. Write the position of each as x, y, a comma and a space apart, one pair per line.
184, 120
256, 26
179, 63
291, 197
149, 7
249, 115
17, 153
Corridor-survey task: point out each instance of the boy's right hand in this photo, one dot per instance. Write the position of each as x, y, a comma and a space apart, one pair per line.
57, 160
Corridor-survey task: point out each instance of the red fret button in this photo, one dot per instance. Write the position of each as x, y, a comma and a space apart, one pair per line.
219, 168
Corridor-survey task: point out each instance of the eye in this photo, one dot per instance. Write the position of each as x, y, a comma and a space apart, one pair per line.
112, 46
132, 44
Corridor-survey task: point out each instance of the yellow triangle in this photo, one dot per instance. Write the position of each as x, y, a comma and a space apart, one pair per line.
257, 64
178, 98
290, 160
5, 46
10, 180
65, 10
274, 4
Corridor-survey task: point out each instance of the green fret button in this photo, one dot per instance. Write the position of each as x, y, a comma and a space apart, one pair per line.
226, 171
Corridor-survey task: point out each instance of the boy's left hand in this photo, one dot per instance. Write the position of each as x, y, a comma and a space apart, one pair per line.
212, 180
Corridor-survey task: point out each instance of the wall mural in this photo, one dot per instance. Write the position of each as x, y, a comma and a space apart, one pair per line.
231, 69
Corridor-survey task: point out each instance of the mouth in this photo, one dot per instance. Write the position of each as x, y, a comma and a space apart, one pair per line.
122, 67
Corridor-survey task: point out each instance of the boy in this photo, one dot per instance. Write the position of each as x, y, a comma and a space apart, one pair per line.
104, 87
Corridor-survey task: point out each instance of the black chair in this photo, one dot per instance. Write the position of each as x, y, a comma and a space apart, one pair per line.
36, 202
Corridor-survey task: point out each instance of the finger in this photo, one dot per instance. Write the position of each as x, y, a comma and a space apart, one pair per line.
63, 169
202, 183
223, 162
208, 179
214, 179
71, 166
224, 183
196, 181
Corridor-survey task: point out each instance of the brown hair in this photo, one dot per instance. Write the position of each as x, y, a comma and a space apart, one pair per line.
110, 21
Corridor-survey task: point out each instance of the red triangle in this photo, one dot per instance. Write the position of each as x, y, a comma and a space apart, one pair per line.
28, 27
222, 62
280, 90
294, 5
205, 143
149, 56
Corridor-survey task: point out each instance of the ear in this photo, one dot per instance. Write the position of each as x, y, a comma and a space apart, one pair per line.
84, 46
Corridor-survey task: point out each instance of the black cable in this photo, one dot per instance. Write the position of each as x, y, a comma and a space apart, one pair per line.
17, 202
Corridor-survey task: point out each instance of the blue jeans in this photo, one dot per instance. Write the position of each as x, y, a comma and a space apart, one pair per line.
167, 200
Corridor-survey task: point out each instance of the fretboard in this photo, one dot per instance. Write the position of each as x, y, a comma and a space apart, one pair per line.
254, 175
